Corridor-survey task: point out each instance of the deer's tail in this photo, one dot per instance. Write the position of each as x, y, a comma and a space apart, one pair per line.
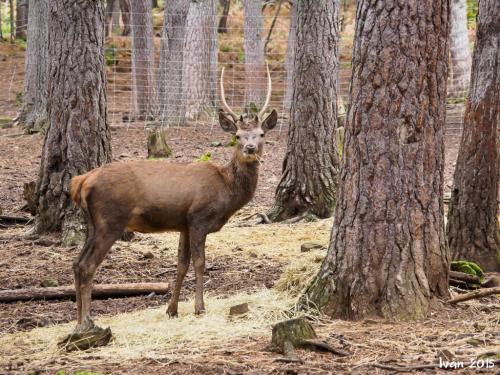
76, 188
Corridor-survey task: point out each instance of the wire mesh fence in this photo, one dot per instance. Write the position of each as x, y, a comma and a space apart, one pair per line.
126, 69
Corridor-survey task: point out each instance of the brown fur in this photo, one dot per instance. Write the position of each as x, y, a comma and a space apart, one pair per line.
156, 196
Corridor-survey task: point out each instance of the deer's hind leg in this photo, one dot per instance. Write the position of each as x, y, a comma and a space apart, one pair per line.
183, 258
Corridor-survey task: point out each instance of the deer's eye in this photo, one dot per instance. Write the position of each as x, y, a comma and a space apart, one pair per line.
262, 135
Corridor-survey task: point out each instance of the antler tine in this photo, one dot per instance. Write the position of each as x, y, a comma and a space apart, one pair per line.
268, 95
223, 98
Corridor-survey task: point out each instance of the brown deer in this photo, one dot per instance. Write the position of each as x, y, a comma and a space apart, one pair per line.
156, 196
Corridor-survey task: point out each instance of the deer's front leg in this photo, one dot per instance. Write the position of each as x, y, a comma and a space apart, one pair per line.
197, 246
184, 256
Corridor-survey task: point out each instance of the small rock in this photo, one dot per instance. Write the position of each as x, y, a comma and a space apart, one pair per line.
216, 144
44, 242
33, 322
238, 248
252, 255
49, 283
492, 280
308, 246
238, 309
148, 255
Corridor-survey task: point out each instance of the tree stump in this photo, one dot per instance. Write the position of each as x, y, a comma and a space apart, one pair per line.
157, 145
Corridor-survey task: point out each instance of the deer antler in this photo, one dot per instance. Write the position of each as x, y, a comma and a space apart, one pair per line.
268, 95
222, 97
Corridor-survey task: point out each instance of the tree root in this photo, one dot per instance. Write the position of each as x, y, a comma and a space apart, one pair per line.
270, 217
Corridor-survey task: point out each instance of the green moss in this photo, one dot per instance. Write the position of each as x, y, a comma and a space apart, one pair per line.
467, 267
207, 156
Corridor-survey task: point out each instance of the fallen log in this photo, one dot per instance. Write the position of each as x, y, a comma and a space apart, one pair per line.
475, 294
465, 277
13, 220
98, 291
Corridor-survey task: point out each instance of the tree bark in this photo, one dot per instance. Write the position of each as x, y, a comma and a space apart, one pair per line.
387, 253
12, 27
170, 94
311, 164
78, 136
143, 58
290, 54
223, 19
200, 58
459, 49
21, 19
125, 13
33, 115
255, 82
473, 231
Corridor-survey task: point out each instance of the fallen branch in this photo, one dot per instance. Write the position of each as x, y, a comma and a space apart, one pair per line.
98, 291
465, 277
475, 294
411, 368
12, 220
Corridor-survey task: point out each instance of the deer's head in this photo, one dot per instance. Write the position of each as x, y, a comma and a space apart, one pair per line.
250, 131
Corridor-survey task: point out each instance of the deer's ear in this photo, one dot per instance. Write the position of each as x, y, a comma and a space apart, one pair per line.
227, 123
270, 121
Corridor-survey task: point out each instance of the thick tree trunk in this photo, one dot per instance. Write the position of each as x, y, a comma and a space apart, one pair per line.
143, 58
290, 54
310, 169
387, 253
223, 19
78, 137
200, 58
255, 82
459, 49
125, 13
21, 19
170, 94
33, 116
473, 231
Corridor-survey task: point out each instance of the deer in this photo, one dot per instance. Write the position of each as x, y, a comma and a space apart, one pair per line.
194, 199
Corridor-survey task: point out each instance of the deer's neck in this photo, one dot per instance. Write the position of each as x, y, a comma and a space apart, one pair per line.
242, 179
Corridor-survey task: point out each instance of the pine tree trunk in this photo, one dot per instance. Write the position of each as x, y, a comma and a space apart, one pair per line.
200, 58
78, 137
255, 82
459, 49
143, 58
33, 115
311, 164
387, 253
290, 54
473, 231
170, 94
223, 19
21, 19
125, 13
110, 4
116, 17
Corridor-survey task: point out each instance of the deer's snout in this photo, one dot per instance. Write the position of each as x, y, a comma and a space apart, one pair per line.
250, 149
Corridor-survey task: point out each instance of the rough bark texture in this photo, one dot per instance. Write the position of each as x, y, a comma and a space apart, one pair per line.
78, 137
255, 82
170, 94
459, 49
310, 168
290, 54
143, 58
33, 116
223, 19
387, 253
473, 231
200, 58
21, 19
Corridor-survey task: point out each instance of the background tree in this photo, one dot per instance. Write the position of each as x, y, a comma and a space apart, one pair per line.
223, 19
200, 58
1, 22
309, 177
290, 54
473, 231
33, 115
387, 253
21, 19
143, 58
170, 93
255, 84
78, 136
125, 14
459, 48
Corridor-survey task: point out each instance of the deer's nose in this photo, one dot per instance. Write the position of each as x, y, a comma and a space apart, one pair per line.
250, 149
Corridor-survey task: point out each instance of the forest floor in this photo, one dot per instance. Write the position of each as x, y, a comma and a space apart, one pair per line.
244, 263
